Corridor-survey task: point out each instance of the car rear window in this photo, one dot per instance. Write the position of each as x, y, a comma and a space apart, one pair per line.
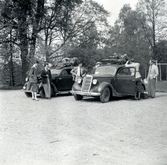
105, 70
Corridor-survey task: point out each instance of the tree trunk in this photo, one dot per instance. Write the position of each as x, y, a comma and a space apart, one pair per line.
25, 63
24, 55
11, 62
31, 58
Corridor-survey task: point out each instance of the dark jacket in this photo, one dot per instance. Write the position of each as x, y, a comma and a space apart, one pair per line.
44, 76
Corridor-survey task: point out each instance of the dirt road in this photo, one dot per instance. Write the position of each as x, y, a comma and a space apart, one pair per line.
62, 131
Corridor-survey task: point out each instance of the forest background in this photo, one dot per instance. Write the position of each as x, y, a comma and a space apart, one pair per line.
50, 30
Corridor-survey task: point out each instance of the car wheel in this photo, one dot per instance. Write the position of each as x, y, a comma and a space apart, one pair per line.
28, 94
78, 97
105, 96
42, 93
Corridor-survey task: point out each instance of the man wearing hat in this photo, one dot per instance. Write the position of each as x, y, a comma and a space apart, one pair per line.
151, 78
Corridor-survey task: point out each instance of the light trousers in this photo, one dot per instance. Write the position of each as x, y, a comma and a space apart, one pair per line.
151, 87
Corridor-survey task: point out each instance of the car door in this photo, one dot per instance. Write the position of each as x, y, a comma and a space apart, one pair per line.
64, 80
125, 81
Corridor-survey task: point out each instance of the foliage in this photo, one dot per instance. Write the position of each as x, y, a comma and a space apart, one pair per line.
74, 25
155, 26
161, 51
49, 30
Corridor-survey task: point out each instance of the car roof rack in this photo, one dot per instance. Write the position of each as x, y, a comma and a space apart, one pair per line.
113, 61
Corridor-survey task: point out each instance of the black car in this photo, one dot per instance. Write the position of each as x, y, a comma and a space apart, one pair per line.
62, 82
107, 81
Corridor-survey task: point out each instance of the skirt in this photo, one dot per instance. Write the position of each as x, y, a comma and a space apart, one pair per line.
34, 87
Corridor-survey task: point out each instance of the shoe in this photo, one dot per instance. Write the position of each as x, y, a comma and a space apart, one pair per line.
33, 98
47, 97
36, 99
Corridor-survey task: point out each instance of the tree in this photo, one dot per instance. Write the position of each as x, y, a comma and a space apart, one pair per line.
127, 37
154, 13
161, 51
51, 25
24, 17
67, 25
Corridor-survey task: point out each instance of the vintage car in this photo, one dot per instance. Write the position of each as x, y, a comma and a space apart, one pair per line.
109, 80
62, 82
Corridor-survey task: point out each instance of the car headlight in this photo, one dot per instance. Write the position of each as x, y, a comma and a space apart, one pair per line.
24, 87
94, 81
79, 81
27, 79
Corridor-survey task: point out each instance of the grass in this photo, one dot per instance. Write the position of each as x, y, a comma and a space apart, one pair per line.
161, 86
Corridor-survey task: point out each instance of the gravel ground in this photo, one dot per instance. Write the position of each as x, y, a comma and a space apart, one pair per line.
62, 131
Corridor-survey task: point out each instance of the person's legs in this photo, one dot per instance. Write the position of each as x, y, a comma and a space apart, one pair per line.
149, 88
34, 91
45, 90
33, 97
48, 90
139, 95
135, 95
152, 88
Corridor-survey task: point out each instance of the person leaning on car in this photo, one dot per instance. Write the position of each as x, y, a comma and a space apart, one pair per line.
151, 78
33, 80
79, 72
46, 80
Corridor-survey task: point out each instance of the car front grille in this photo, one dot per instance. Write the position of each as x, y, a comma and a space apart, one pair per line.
87, 81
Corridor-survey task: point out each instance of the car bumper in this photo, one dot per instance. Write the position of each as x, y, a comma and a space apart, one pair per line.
93, 94
26, 90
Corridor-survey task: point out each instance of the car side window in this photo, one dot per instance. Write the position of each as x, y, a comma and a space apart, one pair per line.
126, 72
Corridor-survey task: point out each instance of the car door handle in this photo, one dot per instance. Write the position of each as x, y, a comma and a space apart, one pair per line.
60, 78
133, 80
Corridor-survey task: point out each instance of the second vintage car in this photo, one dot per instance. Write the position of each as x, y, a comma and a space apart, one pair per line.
109, 80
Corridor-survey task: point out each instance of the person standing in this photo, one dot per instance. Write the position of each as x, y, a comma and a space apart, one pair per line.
46, 80
131, 63
138, 89
33, 80
151, 78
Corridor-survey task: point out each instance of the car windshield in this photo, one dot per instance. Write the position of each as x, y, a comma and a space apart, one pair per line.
55, 71
105, 70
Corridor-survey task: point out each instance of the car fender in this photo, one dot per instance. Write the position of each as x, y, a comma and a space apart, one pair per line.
54, 88
104, 85
76, 86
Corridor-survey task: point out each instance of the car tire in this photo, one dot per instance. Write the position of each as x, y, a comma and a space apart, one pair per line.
105, 95
28, 94
78, 97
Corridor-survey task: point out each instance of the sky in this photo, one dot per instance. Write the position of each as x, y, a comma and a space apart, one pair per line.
114, 6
